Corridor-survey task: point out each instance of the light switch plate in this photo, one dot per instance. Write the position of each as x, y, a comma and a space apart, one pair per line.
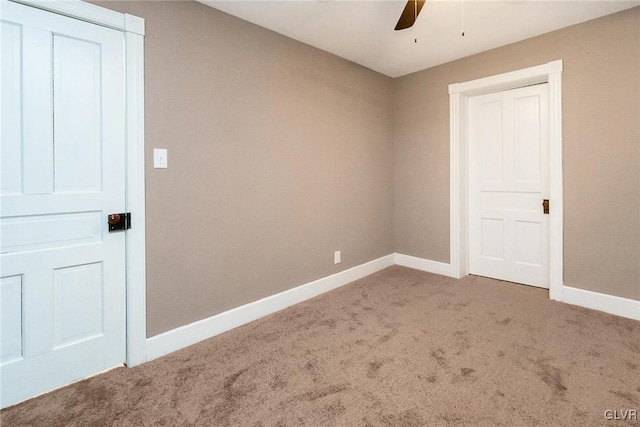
160, 158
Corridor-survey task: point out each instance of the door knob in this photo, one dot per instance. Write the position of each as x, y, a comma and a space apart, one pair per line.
119, 221
545, 206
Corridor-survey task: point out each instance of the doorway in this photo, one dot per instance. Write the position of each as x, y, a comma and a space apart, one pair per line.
460, 96
508, 139
72, 153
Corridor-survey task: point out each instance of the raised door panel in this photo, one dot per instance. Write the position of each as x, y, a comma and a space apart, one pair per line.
490, 124
10, 319
11, 107
78, 134
527, 140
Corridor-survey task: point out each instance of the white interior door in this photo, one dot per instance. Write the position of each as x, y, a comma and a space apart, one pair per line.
508, 181
62, 286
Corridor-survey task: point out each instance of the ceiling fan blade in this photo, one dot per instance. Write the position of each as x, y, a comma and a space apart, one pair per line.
409, 14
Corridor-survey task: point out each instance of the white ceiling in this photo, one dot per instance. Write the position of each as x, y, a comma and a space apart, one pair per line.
362, 30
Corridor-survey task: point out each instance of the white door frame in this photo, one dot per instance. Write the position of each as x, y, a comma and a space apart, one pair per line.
133, 30
459, 93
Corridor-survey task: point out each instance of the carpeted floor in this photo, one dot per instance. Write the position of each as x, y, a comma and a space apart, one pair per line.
400, 347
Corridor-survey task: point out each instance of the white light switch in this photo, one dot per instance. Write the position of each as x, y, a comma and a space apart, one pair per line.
336, 257
160, 158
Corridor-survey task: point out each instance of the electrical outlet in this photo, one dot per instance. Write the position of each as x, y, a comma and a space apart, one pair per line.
337, 257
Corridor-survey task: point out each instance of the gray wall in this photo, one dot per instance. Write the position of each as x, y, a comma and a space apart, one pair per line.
279, 154
601, 152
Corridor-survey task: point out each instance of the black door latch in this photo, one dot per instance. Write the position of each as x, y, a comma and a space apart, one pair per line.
119, 221
545, 206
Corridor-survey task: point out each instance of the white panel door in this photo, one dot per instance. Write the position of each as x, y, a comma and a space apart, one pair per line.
62, 274
508, 181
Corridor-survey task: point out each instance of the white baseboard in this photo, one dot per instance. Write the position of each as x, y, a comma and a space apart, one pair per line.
608, 303
192, 333
427, 265
187, 335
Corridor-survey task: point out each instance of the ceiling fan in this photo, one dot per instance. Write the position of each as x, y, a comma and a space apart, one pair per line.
409, 14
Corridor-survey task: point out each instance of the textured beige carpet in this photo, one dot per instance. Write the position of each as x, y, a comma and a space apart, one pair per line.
400, 347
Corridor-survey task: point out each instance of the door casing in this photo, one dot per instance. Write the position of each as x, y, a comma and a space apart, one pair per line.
133, 30
459, 93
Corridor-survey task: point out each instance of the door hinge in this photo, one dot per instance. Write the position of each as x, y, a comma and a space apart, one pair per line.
545, 206
119, 221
